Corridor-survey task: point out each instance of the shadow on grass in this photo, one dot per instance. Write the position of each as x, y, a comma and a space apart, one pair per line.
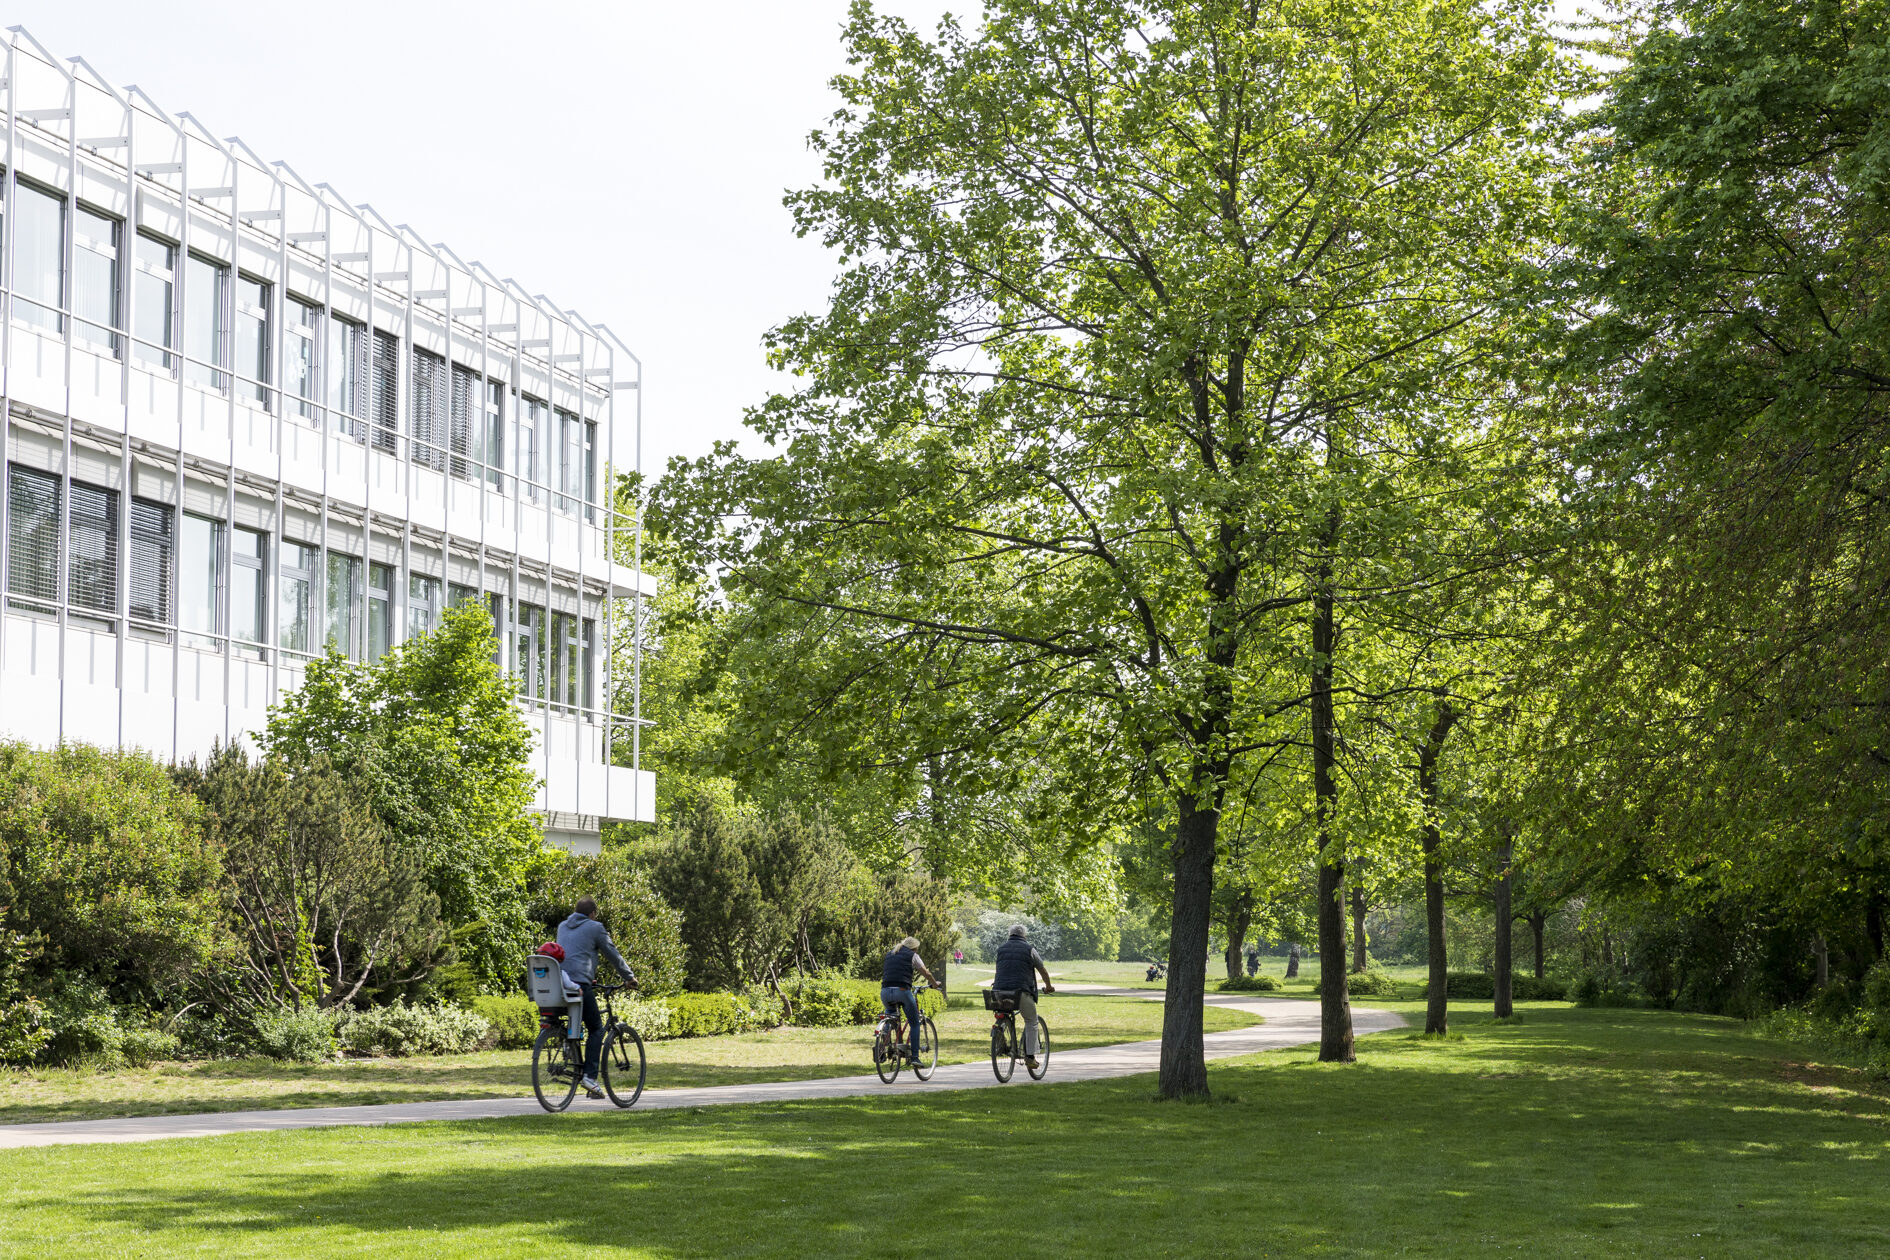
1593, 1135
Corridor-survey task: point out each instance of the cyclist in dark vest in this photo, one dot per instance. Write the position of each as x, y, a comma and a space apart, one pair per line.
896, 985
1016, 961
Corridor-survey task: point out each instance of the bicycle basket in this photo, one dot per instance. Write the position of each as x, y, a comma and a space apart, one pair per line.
1001, 1000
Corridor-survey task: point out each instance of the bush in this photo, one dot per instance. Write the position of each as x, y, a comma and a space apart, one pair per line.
1481, 986
304, 1036
407, 1030
1378, 984
511, 1022
646, 928
24, 1027
649, 1016
829, 1001
1530, 989
103, 864
715, 1014
141, 1047
1248, 984
1607, 988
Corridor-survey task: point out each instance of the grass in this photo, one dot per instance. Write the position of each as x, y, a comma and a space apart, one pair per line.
1573, 1134
783, 1054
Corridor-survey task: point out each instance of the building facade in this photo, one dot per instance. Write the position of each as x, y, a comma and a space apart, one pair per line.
246, 419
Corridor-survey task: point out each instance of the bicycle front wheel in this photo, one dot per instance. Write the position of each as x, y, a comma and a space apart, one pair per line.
624, 1067
1043, 1051
885, 1056
927, 1062
552, 1078
1003, 1062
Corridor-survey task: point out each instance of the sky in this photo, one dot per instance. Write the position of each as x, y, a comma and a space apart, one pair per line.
625, 159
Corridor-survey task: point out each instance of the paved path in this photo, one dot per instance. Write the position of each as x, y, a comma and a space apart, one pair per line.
1289, 1022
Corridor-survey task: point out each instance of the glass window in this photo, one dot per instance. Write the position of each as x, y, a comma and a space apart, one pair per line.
206, 298
568, 459
344, 604
384, 431
587, 640
93, 579
252, 339
33, 533
463, 437
532, 416
428, 404
301, 366
154, 276
295, 598
495, 434
423, 604
249, 589
95, 278
347, 401
590, 471
380, 610
39, 258
150, 569
200, 579
529, 638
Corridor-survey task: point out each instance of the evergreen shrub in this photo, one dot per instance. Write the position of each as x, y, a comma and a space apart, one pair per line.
511, 1022
304, 1036
1249, 984
407, 1030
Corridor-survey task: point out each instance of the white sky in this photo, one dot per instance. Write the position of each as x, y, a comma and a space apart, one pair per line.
625, 159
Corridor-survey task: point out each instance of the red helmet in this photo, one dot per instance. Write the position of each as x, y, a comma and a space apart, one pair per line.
552, 949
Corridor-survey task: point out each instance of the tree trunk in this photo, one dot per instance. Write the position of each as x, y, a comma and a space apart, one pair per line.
1335, 1007
1537, 922
1822, 952
1505, 948
1607, 947
1237, 924
1184, 1062
1292, 963
1360, 955
1437, 1000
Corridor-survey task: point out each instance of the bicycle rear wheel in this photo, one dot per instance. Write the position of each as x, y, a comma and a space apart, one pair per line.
552, 1078
1043, 1051
623, 1066
1003, 1060
927, 1062
885, 1054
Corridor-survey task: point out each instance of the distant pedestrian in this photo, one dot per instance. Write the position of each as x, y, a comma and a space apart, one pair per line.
1253, 960
1292, 963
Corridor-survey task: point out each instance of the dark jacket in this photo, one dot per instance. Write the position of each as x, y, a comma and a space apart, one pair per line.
583, 939
1017, 962
898, 970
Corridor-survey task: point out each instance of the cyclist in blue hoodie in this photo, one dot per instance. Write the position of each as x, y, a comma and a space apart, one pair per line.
583, 939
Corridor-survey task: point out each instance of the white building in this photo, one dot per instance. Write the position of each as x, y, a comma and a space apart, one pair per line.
245, 417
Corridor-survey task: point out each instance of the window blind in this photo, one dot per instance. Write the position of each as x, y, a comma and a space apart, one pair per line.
32, 533
150, 569
93, 579
429, 420
386, 408
461, 439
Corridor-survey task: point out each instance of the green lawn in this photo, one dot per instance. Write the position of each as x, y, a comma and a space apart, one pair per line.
1572, 1133
780, 1055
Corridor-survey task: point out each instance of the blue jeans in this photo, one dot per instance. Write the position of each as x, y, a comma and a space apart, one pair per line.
896, 997
593, 1031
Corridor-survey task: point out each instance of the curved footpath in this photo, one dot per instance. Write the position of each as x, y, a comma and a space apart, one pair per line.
1289, 1022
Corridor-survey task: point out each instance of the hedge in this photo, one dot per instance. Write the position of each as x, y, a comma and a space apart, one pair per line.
1248, 984
1481, 985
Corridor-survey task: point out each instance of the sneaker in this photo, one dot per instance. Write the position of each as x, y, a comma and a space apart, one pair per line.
1030, 1061
591, 1087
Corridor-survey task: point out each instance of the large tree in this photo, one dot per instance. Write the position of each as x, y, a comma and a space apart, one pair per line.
1143, 305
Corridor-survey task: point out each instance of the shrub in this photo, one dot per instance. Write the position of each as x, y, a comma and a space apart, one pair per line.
1530, 989
649, 1016
404, 1030
714, 1014
829, 1001
1378, 984
24, 1028
1607, 988
103, 864
512, 1022
646, 929
1248, 984
304, 1036
141, 1047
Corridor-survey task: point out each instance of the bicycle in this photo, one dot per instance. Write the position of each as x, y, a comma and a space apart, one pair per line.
1006, 1046
892, 1047
558, 1060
